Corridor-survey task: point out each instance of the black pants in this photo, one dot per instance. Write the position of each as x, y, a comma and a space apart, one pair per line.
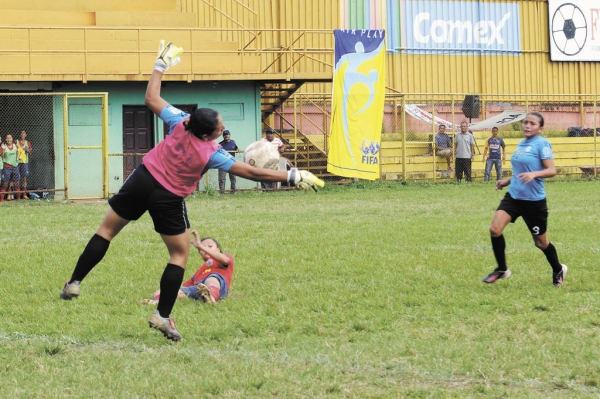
463, 165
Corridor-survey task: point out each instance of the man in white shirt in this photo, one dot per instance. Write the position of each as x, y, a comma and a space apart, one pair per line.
277, 143
464, 148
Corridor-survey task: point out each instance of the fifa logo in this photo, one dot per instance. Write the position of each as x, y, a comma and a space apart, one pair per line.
370, 149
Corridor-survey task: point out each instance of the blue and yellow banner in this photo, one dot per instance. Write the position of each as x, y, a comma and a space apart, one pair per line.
357, 106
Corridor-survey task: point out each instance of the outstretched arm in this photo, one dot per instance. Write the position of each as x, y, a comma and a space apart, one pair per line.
167, 57
300, 178
153, 99
246, 171
213, 253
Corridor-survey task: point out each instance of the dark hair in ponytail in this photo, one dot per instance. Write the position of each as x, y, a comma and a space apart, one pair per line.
202, 122
540, 117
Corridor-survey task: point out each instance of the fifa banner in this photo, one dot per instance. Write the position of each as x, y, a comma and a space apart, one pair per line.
357, 105
574, 30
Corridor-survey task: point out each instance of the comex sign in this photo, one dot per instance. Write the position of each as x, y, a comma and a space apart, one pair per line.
574, 30
461, 27
440, 31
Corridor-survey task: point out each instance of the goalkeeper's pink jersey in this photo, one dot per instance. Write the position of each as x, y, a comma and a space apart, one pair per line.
180, 160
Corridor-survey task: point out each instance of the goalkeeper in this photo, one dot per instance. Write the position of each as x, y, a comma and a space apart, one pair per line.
170, 172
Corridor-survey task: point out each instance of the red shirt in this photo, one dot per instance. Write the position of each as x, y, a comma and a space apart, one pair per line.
212, 266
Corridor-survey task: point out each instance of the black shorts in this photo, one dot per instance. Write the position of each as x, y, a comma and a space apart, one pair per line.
140, 193
534, 213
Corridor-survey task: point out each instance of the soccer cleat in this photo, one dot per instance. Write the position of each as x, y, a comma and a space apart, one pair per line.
559, 278
496, 275
204, 293
165, 325
70, 290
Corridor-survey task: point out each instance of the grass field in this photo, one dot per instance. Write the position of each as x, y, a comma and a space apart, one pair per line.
364, 291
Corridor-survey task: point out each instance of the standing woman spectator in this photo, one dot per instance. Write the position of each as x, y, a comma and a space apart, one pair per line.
170, 172
23, 166
11, 172
532, 161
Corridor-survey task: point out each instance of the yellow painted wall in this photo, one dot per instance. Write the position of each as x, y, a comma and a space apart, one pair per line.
531, 72
92, 5
264, 25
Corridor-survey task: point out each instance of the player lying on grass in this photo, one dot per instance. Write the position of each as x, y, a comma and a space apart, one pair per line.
170, 172
212, 281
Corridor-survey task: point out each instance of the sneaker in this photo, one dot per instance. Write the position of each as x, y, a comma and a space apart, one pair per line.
70, 290
165, 325
496, 275
450, 168
559, 278
205, 294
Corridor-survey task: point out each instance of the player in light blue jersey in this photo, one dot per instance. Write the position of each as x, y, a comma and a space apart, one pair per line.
532, 161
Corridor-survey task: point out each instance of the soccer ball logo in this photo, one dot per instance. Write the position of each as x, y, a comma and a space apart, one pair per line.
262, 154
569, 29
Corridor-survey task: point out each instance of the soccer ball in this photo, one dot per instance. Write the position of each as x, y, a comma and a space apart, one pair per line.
262, 154
569, 29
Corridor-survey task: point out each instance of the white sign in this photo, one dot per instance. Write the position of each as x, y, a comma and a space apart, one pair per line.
574, 30
501, 119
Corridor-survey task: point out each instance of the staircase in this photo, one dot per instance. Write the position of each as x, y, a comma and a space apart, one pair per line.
274, 94
307, 154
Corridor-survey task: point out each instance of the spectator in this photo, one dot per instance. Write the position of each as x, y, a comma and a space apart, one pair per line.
496, 157
211, 282
24, 164
532, 162
277, 143
10, 162
231, 147
443, 145
464, 148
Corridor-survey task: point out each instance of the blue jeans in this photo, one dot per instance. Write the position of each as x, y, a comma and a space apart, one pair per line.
488, 168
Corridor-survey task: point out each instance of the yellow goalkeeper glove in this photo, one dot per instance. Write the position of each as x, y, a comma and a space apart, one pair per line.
168, 56
304, 179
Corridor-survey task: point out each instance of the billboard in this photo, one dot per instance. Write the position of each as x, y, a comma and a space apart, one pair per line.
460, 27
574, 30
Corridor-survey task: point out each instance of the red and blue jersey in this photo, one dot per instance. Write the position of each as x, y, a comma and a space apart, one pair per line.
212, 266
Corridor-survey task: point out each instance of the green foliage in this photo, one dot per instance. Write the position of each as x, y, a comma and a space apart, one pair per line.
371, 290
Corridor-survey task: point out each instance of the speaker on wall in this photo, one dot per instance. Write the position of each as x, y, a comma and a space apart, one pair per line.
471, 106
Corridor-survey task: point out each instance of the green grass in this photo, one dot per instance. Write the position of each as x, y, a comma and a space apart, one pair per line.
372, 290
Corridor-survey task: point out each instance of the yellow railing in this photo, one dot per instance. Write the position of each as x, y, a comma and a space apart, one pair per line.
127, 53
572, 124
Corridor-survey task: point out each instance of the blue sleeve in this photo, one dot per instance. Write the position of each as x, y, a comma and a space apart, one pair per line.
172, 116
546, 151
221, 159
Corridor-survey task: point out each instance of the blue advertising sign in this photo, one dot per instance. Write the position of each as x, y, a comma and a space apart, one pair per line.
460, 27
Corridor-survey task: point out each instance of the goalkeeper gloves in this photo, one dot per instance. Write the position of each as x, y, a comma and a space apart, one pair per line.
304, 180
168, 56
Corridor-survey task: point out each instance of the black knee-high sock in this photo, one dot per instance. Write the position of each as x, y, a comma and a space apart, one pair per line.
91, 256
552, 257
169, 287
498, 246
